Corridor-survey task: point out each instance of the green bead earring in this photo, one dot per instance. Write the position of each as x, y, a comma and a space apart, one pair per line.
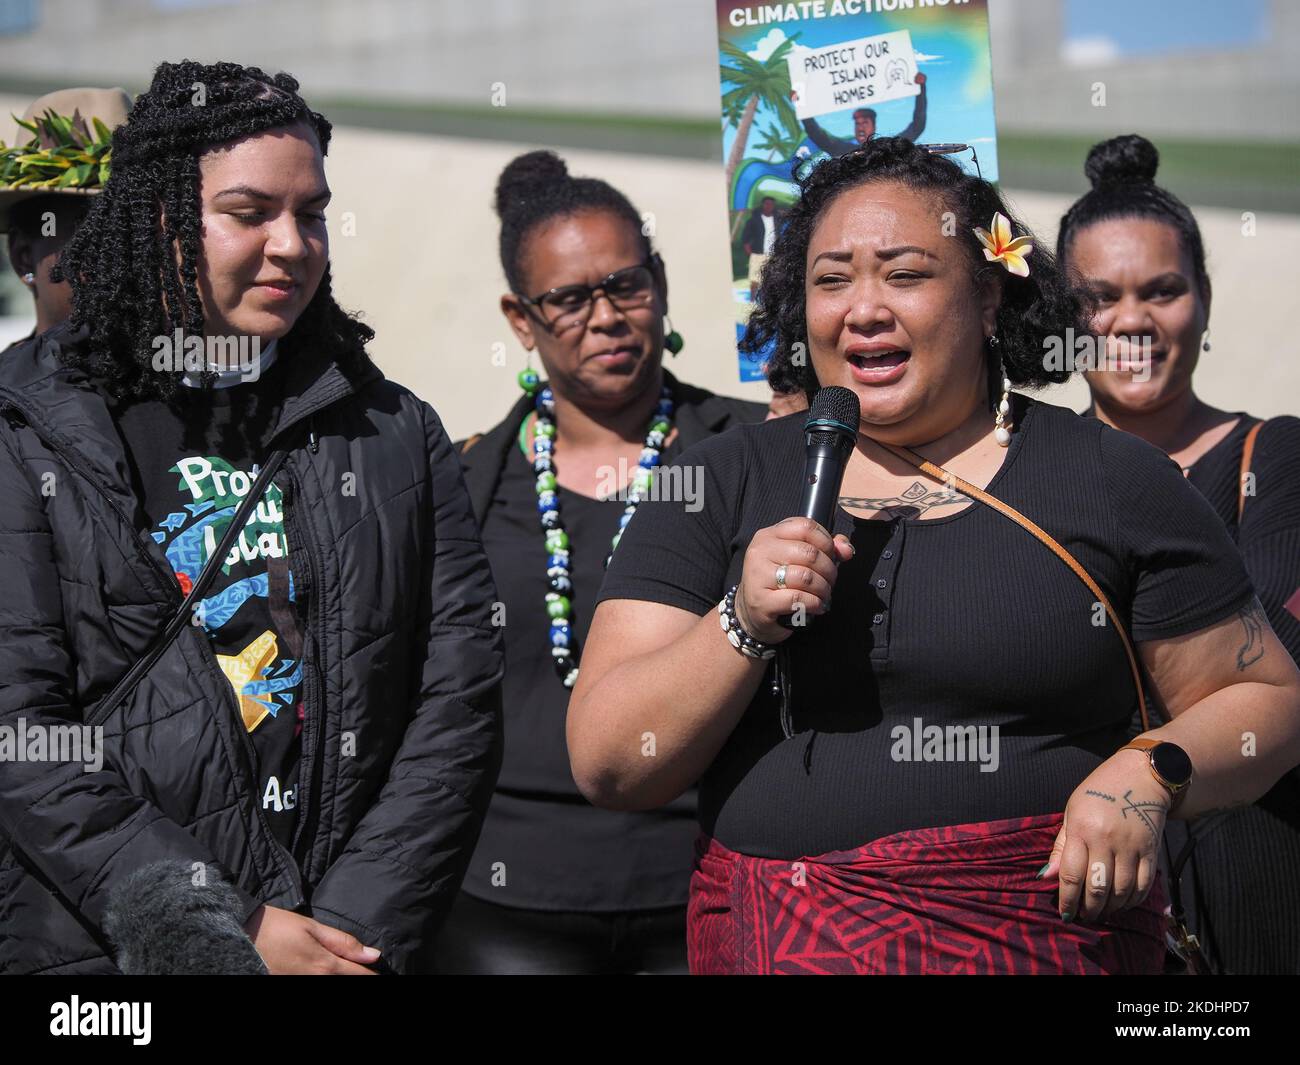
673, 341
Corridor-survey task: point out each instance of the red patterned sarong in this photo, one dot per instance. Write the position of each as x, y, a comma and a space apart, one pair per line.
958, 899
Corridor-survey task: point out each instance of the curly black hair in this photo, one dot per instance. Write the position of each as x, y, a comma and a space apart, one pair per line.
1033, 309
127, 285
536, 187
1122, 172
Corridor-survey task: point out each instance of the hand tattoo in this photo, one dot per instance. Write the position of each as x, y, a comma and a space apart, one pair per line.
1100, 795
1253, 620
1140, 809
915, 500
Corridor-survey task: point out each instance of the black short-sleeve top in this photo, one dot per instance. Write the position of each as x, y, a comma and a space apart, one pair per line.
964, 674
1268, 536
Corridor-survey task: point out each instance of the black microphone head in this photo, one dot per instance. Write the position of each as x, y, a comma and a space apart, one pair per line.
834, 408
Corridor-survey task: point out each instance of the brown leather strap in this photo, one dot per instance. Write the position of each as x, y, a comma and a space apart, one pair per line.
1247, 453
968, 489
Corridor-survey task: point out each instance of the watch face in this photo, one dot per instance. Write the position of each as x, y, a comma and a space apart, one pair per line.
1172, 763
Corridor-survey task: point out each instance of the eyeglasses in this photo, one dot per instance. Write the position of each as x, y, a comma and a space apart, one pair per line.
570, 306
954, 149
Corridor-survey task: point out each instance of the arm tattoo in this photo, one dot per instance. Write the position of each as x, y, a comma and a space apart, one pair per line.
1140, 809
915, 500
1253, 620
1100, 795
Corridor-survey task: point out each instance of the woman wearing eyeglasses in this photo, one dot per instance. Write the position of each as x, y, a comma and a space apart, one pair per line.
555, 884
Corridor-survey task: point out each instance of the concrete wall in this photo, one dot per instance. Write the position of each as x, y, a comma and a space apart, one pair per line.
645, 56
422, 268
1246, 94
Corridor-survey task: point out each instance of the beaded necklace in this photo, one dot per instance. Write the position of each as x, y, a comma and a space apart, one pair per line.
558, 606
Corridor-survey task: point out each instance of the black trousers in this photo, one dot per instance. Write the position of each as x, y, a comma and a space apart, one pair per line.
483, 938
1247, 872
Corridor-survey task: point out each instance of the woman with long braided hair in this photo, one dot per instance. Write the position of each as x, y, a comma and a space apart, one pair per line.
136, 261
246, 566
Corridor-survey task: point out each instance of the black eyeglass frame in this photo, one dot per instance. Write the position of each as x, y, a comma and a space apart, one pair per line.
653, 263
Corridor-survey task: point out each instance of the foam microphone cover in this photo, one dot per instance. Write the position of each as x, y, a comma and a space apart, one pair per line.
163, 924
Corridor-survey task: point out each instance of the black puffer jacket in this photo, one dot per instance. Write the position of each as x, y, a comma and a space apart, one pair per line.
402, 668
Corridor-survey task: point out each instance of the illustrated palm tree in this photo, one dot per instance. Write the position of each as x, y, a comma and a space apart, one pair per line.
752, 83
777, 143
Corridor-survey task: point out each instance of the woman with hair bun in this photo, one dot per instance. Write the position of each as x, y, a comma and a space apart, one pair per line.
555, 885
933, 776
1137, 250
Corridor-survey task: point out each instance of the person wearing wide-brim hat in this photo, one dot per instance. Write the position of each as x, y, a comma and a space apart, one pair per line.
48, 182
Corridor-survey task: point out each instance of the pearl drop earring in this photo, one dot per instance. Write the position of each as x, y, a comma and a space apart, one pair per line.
29, 278
1001, 425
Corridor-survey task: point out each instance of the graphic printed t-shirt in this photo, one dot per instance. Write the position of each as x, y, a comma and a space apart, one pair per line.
193, 460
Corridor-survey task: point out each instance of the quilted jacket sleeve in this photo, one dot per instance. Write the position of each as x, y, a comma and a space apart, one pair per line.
393, 884
75, 822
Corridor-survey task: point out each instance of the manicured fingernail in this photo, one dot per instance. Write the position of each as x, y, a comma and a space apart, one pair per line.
1067, 916
371, 953
1043, 870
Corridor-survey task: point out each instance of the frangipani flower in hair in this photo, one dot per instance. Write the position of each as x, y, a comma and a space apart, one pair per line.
1000, 248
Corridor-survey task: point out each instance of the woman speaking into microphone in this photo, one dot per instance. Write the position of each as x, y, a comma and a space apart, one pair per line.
932, 776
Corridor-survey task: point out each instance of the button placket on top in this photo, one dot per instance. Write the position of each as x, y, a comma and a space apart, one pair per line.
883, 578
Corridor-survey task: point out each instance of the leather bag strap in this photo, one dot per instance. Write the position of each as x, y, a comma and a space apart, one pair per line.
1247, 453
968, 489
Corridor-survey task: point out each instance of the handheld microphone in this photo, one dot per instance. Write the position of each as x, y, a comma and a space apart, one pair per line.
830, 433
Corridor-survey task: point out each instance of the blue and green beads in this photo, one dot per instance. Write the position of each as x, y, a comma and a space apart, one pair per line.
559, 607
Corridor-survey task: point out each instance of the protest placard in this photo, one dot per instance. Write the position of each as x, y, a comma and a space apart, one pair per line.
807, 81
871, 70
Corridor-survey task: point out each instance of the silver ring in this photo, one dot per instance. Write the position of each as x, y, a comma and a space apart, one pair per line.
780, 576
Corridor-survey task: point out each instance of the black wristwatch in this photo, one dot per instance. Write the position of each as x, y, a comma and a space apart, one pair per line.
1169, 765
